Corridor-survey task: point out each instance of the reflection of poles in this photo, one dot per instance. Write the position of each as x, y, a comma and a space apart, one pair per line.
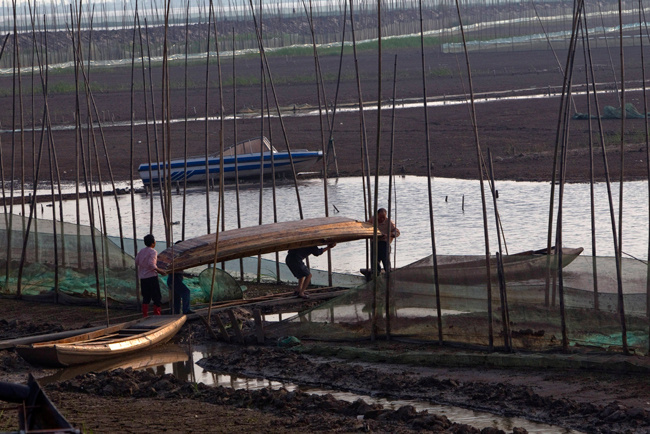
585, 47
503, 291
479, 158
390, 196
431, 223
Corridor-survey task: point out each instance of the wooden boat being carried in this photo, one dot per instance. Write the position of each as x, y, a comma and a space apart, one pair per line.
253, 156
118, 340
254, 240
36, 412
458, 270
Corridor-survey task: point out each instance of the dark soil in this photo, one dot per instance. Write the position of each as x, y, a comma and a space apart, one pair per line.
133, 401
521, 134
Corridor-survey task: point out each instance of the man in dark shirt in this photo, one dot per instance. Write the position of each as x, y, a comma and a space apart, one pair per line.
296, 263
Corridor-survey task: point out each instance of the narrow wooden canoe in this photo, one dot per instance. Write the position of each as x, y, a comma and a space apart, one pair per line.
255, 240
37, 413
118, 340
456, 271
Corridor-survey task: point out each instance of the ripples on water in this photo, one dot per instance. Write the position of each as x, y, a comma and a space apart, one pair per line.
523, 207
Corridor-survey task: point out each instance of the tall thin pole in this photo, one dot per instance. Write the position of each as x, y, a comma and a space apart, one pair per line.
375, 239
479, 161
429, 176
594, 260
390, 197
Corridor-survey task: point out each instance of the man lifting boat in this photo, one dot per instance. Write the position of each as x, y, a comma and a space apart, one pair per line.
296, 263
387, 232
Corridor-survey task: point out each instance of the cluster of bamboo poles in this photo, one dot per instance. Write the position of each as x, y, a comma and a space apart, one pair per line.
580, 30
90, 148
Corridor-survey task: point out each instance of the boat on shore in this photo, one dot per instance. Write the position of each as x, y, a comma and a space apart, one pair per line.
118, 340
464, 270
245, 159
36, 413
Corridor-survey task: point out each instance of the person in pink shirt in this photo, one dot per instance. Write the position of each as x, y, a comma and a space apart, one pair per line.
146, 263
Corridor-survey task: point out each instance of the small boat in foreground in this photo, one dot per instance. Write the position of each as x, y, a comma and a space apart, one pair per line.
257, 240
36, 413
113, 341
252, 157
463, 270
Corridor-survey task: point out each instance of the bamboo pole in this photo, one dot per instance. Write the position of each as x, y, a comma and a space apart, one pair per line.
647, 146
479, 157
185, 122
318, 77
161, 185
390, 197
131, 159
375, 239
330, 142
262, 101
221, 174
622, 144
234, 122
429, 176
277, 106
85, 166
619, 279
365, 162
594, 260
503, 290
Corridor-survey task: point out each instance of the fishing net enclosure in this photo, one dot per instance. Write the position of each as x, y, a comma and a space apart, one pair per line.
589, 293
85, 275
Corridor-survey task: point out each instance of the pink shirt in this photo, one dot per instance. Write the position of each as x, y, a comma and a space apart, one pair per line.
146, 260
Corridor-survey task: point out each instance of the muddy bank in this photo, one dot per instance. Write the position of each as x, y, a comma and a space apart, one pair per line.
143, 401
506, 393
296, 410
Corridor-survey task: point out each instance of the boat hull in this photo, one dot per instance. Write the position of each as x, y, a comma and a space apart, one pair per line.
115, 341
517, 267
244, 166
257, 240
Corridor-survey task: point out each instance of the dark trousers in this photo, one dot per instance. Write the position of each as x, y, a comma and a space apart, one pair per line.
150, 289
383, 255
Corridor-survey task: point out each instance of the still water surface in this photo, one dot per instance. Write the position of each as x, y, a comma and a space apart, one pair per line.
523, 207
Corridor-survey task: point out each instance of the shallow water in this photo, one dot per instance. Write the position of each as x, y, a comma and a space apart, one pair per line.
189, 371
523, 208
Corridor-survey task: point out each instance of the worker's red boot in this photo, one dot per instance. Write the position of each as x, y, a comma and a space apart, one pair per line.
145, 310
156, 310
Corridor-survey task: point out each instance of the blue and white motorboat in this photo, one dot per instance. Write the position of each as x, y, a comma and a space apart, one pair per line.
252, 156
